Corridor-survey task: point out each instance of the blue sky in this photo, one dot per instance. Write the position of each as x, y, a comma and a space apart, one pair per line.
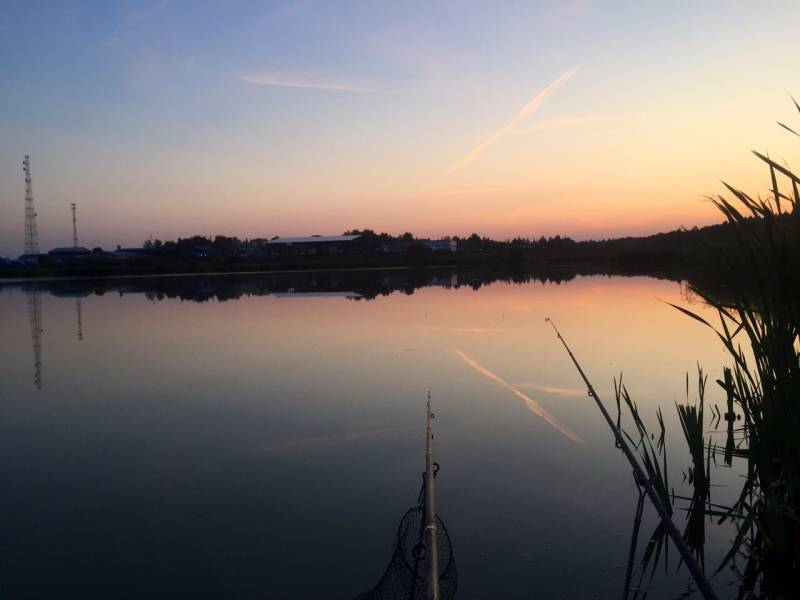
279, 118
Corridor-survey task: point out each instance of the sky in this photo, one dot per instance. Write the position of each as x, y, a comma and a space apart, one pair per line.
589, 119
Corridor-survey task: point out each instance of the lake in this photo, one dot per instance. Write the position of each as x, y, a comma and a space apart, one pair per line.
261, 436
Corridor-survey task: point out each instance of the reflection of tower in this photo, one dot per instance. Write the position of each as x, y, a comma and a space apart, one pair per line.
74, 227
35, 317
31, 233
80, 322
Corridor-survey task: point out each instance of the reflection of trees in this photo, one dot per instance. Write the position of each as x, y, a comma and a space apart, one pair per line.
357, 284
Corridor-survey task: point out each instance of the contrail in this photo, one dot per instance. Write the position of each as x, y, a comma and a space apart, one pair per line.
532, 405
573, 121
524, 113
281, 81
323, 441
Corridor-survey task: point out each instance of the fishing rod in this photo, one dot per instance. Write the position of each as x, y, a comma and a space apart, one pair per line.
642, 478
431, 528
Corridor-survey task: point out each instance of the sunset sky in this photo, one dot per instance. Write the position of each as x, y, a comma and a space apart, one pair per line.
588, 119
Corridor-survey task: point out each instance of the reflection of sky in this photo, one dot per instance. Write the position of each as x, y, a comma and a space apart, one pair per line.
532, 404
260, 442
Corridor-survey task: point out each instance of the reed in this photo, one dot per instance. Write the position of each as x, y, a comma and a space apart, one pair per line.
759, 326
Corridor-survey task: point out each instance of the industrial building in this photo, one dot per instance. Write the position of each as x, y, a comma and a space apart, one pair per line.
69, 252
446, 245
313, 245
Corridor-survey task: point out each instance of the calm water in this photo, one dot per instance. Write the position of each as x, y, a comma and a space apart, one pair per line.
260, 437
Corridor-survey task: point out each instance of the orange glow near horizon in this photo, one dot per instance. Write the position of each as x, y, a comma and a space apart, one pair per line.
399, 126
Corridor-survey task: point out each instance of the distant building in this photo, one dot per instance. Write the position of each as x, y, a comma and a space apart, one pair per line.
131, 253
395, 247
201, 251
315, 244
446, 245
69, 252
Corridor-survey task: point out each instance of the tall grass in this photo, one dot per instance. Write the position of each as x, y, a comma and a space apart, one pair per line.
764, 318
759, 327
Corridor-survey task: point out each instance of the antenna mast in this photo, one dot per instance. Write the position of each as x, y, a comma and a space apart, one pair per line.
31, 233
74, 227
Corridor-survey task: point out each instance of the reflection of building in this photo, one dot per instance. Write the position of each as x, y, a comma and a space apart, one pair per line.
316, 244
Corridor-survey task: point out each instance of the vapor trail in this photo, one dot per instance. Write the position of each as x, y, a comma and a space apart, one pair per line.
524, 113
282, 81
532, 405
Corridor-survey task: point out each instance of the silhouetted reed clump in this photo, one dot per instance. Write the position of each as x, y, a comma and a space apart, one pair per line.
763, 317
759, 326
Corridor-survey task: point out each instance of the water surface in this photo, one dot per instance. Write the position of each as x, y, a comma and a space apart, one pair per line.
261, 437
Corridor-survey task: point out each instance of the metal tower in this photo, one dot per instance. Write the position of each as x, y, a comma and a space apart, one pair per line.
35, 318
74, 227
31, 233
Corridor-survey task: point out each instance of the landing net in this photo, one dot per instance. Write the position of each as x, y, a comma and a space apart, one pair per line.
404, 577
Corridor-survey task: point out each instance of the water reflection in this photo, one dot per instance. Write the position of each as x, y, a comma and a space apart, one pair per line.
364, 284
351, 285
532, 405
256, 435
35, 319
79, 310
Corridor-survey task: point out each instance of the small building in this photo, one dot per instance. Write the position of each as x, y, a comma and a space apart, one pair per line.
442, 245
313, 245
127, 253
77, 252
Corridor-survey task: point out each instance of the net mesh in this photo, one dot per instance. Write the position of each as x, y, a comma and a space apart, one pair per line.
403, 578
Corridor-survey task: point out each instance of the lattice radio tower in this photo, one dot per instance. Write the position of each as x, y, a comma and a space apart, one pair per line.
74, 227
31, 233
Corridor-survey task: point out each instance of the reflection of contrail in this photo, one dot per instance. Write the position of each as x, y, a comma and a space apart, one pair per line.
559, 391
431, 328
532, 405
321, 442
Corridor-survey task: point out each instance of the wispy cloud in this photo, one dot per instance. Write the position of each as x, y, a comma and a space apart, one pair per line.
575, 121
530, 403
281, 80
525, 112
